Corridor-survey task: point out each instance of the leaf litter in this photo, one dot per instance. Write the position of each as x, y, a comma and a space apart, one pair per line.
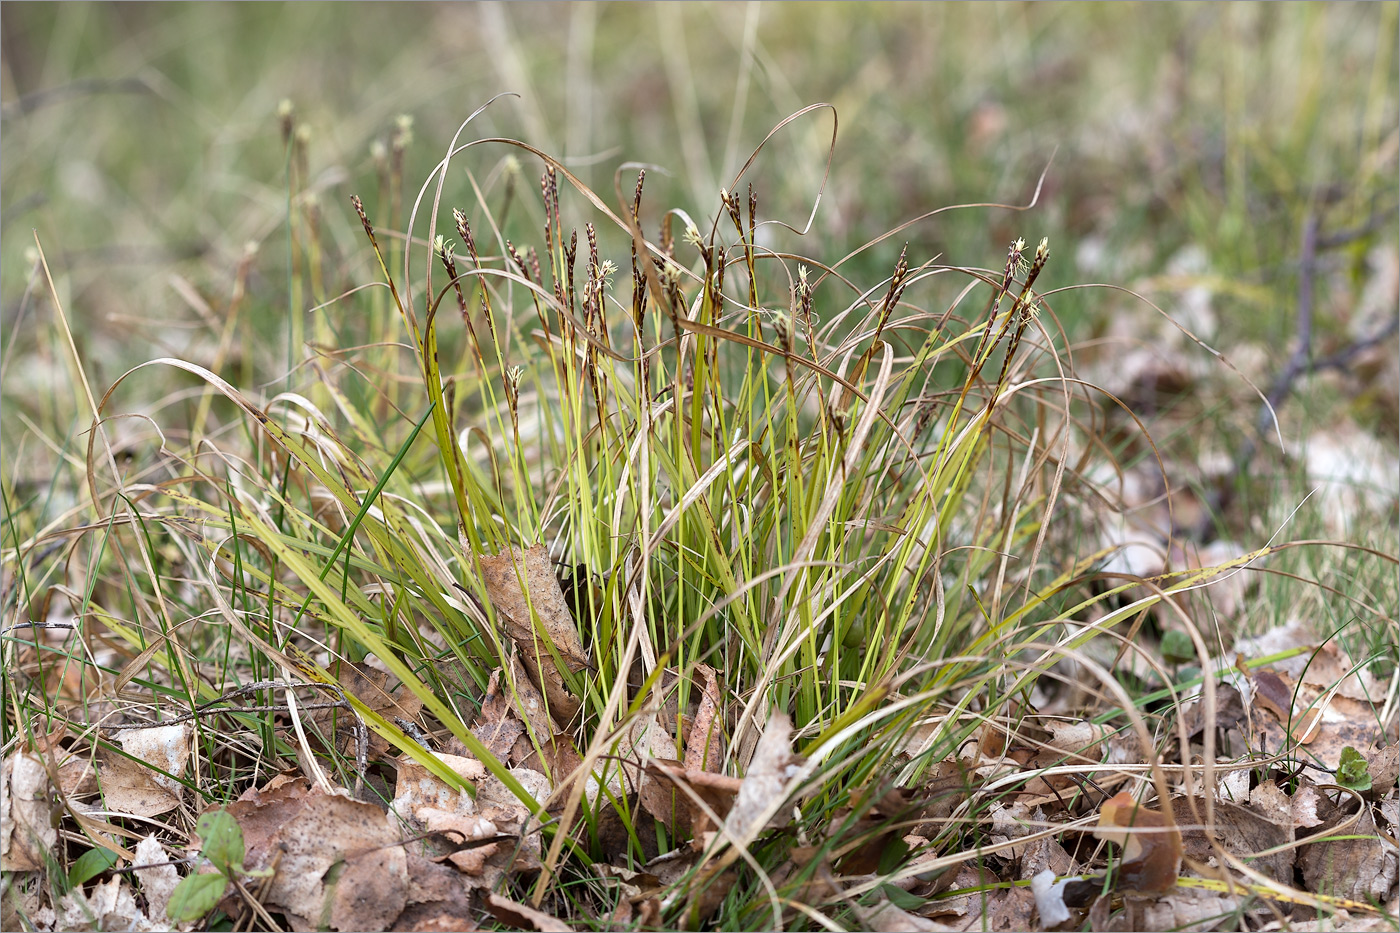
437, 857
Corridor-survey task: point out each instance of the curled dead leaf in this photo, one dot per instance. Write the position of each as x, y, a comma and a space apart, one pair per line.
523, 587
704, 743
1273, 694
1081, 742
648, 741
518, 581
716, 793
522, 917
1151, 844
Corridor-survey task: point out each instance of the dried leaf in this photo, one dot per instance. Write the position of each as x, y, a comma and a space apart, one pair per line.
1383, 922
556, 757
1326, 665
112, 904
1012, 822
438, 900
1188, 909
497, 726
947, 787
1383, 764
766, 782
1273, 694
524, 918
494, 814
418, 788
1228, 713
882, 824
1045, 853
26, 833
717, 791
517, 582
157, 882
1241, 831
704, 744
884, 914
658, 795
1079, 741
260, 812
131, 786
1010, 909
1326, 722
1300, 810
1362, 868
531, 707
372, 889
313, 832
1151, 845
503, 575
1305, 802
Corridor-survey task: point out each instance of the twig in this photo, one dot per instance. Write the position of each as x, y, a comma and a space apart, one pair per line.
10, 628
255, 900
1342, 357
207, 709
1300, 361
52, 95
1382, 218
256, 906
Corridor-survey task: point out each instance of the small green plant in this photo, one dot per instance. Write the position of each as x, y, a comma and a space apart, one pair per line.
198, 893
1353, 771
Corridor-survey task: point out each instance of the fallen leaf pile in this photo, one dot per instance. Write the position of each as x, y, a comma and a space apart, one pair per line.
1037, 821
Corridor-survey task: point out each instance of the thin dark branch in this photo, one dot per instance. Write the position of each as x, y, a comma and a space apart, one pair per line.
1378, 220
81, 88
1343, 357
1300, 361
212, 708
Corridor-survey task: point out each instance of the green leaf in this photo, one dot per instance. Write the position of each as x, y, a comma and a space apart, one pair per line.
223, 841
89, 865
1352, 771
901, 898
893, 856
196, 895
1177, 647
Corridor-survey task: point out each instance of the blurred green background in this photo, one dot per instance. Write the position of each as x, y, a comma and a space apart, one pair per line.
1183, 145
